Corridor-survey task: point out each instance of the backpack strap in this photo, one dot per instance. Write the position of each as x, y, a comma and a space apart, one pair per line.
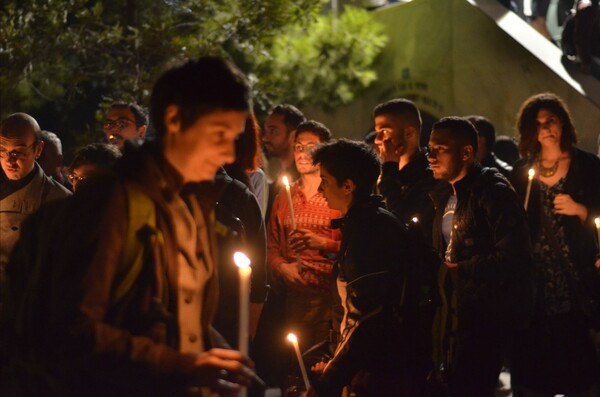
142, 213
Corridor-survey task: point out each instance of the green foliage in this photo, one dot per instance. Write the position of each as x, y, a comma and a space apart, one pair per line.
326, 65
64, 58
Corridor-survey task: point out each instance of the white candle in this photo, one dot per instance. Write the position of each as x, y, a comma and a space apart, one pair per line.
286, 182
244, 271
597, 222
531, 174
292, 338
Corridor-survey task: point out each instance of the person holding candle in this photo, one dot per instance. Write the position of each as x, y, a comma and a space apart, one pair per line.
371, 277
480, 231
555, 355
302, 257
106, 323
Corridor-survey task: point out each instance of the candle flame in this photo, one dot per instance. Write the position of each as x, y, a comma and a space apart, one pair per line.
415, 220
531, 173
292, 338
241, 260
597, 222
285, 181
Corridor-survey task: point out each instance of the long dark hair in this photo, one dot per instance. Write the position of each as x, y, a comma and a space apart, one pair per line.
527, 125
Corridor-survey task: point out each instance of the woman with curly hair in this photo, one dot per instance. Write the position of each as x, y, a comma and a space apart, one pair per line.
555, 354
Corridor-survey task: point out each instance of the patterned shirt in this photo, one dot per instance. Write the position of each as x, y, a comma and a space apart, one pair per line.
558, 274
312, 214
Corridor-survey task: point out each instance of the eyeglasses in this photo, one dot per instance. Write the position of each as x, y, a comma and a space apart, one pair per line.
117, 124
16, 154
304, 148
76, 179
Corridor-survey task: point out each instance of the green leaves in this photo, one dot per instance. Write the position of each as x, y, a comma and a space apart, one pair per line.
325, 64
62, 57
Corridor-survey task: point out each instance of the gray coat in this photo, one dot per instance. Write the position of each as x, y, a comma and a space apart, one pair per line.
22, 203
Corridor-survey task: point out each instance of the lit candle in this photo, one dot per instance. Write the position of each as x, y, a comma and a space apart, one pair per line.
292, 338
244, 271
531, 174
597, 222
286, 182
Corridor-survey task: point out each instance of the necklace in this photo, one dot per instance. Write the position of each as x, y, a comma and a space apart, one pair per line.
549, 171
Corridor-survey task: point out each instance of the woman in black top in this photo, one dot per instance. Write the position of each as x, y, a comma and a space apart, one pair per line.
555, 354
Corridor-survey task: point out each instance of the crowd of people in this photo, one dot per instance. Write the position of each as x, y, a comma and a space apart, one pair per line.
402, 270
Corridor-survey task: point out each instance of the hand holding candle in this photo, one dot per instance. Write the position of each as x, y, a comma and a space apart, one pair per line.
292, 338
531, 173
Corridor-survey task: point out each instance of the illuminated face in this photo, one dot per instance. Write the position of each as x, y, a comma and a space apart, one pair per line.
120, 126
305, 142
549, 130
200, 150
389, 127
338, 198
444, 156
18, 154
277, 140
80, 174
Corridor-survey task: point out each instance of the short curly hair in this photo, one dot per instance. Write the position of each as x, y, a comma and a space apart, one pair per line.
345, 159
527, 125
97, 154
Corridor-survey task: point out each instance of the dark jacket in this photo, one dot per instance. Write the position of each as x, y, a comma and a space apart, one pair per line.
492, 161
75, 341
491, 246
371, 262
406, 191
238, 210
583, 185
20, 199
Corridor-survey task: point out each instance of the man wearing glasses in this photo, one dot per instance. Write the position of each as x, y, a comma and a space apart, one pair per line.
23, 184
125, 121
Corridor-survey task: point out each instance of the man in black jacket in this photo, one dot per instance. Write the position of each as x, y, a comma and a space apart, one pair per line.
405, 184
481, 231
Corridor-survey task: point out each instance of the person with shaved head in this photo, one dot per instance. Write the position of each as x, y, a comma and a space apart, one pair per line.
23, 184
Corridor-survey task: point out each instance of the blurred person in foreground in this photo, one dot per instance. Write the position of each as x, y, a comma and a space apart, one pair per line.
125, 309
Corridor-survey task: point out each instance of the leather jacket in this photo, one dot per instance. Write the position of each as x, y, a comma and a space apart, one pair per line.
406, 191
491, 247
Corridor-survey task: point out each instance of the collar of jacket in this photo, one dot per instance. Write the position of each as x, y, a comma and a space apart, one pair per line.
158, 177
8, 187
417, 167
473, 173
444, 190
356, 210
